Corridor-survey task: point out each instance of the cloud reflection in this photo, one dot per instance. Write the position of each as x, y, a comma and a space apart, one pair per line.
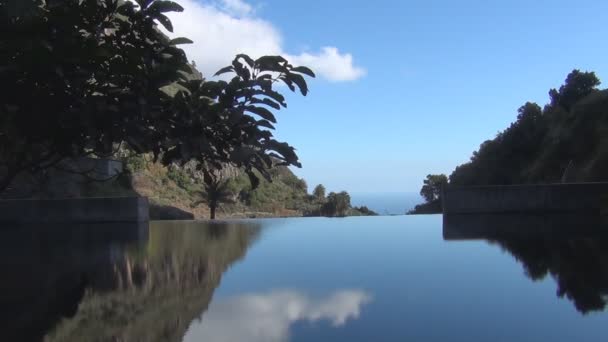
267, 317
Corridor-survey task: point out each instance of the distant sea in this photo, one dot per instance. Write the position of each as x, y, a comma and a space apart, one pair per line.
387, 203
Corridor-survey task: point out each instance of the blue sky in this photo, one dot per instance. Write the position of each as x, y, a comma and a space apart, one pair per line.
413, 86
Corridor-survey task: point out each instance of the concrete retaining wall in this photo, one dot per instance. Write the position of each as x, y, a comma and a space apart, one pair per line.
548, 198
70, 178
77, 210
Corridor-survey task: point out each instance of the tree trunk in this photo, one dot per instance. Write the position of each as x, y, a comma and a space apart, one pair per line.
212, 211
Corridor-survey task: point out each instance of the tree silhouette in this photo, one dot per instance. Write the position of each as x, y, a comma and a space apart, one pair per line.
431, 190
564, 141
89, 76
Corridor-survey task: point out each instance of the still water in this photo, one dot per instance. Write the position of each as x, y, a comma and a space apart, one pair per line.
401, 278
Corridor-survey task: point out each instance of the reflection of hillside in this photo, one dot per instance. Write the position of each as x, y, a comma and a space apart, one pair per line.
578, 265
45, 271
574, 251
113, 282
153, 293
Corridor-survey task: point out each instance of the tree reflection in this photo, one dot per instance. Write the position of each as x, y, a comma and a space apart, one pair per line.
578, 265
108, 287
572, 249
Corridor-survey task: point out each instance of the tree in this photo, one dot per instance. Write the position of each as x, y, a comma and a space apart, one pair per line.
578, 85
431, 190
87, 77
217, 189
218, 122
337, 204
319, 193
566, 137
365, 211
83, 76
216, 192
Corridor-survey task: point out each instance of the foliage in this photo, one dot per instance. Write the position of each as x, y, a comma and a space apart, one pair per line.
102, 73
94, 69
364, 211
180, 177
219, 122
540, 145
578, 85
135, 163
433, 207
431, 190
285, 191
566, 141
337, 204
319, 193
216, 192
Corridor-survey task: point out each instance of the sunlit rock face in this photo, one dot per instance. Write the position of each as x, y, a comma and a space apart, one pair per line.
268, 316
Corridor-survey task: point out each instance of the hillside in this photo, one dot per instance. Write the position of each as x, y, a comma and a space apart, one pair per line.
178, 192
566, 141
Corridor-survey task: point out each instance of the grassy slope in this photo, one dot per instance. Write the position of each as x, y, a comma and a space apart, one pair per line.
286, 195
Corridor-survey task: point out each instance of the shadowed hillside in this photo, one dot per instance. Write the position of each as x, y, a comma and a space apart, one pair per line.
566, 141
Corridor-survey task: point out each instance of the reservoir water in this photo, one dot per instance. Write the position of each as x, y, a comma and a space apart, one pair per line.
393, 278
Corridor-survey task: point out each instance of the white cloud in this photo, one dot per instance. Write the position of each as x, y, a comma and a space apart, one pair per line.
331, 64
268, 317
221, 30
237, 7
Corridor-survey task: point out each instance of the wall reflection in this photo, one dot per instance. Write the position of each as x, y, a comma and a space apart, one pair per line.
269, 316
572, 249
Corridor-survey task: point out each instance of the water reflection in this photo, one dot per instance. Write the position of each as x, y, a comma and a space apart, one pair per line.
268, 316
113, 283
570, 248
46, 270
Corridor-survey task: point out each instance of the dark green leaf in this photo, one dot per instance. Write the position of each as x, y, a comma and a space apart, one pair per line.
180, 40
267, 102
275, 96
300, 82
265, 123
247, 59
241, 70
304, 70
165, 6
271, 60
263, 112
271, 63
288, 82
224, 70
164, 20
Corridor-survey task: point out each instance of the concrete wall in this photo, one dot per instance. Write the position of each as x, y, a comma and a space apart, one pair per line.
548, 198
78, 210
69, 179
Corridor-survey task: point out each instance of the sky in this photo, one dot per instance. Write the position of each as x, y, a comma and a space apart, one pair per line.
403, 88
